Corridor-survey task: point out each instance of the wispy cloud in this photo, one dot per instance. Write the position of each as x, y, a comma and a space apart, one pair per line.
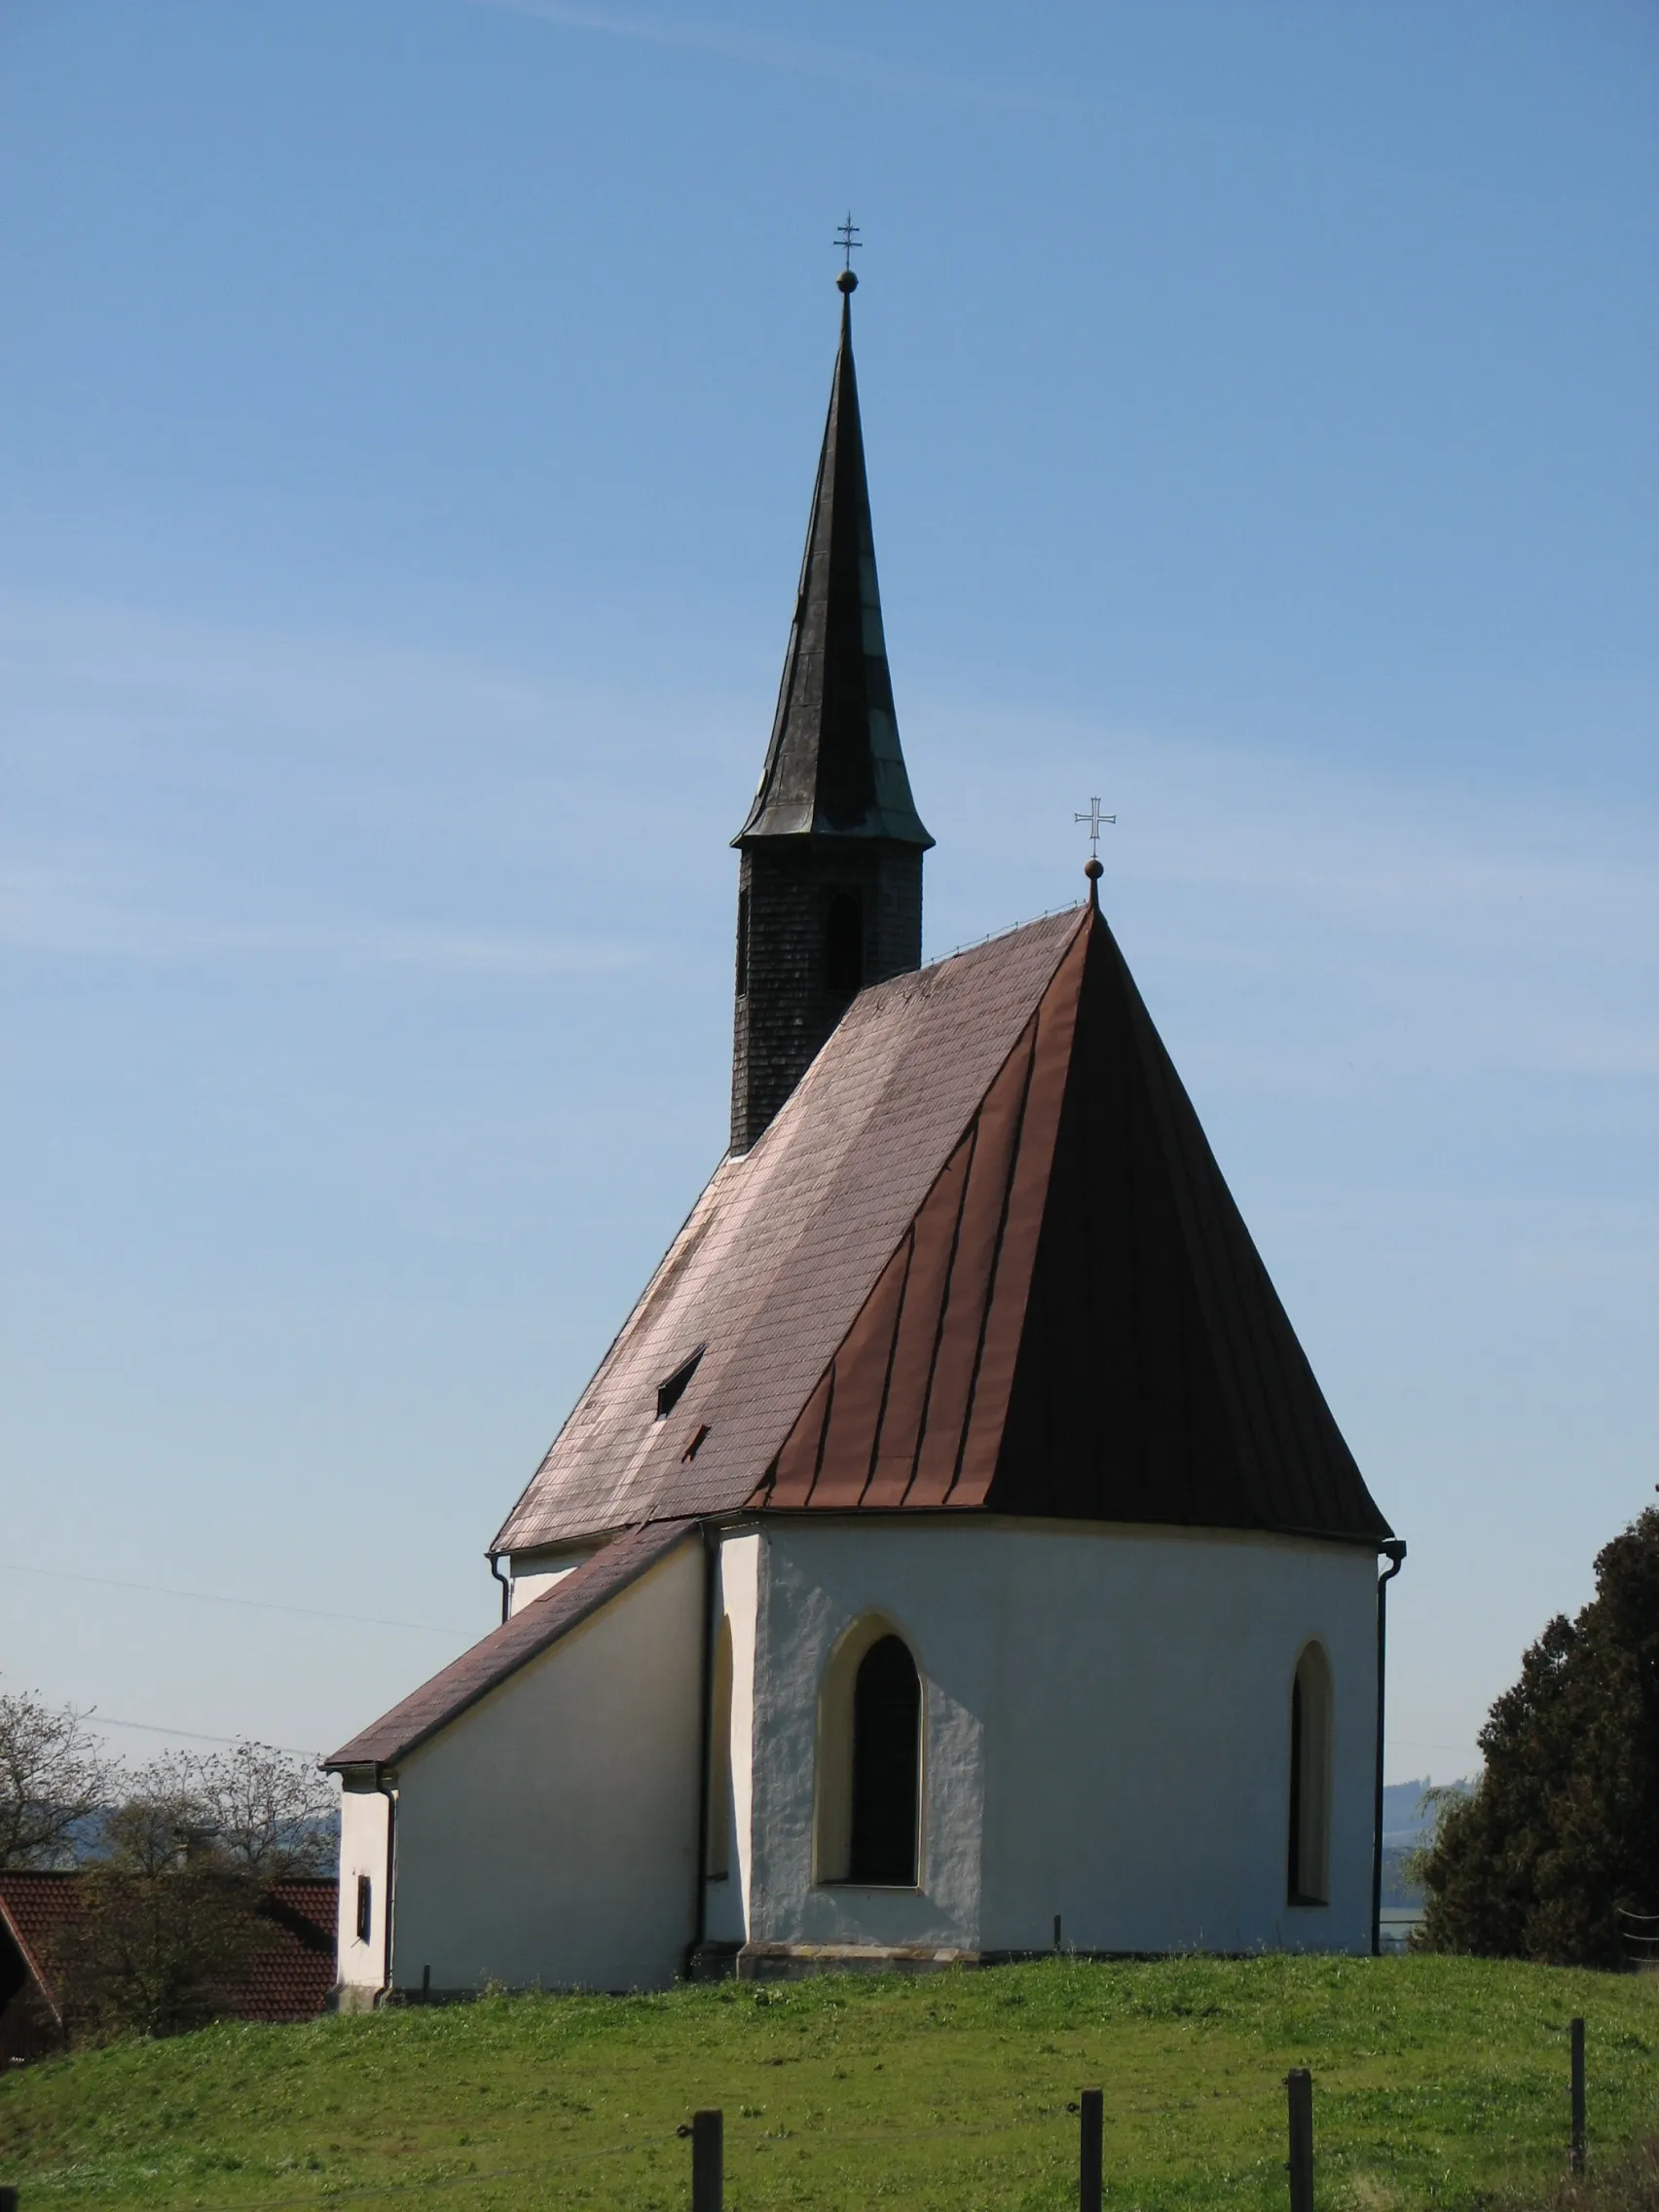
1317, 919
55, 913
791, 57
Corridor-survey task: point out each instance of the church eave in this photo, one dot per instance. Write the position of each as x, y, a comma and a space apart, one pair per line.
496, 1657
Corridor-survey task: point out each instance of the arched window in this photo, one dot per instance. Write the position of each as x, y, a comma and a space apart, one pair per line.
887, 1711
843, 945
870, 1761
1308, 1876
716, 1860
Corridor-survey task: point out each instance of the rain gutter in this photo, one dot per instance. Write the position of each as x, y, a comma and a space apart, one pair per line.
1394, 1551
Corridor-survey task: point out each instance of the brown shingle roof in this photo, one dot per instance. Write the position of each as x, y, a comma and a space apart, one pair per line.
983, 1259
785, 1246
531, 1631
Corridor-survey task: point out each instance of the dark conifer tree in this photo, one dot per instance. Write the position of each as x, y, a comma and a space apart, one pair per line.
1564, 1827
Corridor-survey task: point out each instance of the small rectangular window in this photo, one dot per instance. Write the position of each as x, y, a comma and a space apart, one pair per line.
365, 1907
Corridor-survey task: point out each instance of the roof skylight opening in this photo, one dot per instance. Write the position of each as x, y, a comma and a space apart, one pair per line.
673, 1388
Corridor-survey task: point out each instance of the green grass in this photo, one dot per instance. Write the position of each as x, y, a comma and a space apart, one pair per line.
1437, 2081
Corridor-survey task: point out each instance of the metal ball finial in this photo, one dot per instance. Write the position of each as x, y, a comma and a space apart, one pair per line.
1094, 869
846, 280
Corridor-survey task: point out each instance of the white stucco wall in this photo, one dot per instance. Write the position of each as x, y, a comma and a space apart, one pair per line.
549, 1836
363, 1816
531, 1574
1106, 1732
738, 1595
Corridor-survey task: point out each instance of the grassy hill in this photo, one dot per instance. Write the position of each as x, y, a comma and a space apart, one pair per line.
1437, 2081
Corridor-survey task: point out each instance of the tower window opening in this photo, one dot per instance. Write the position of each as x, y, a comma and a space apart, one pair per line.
365, 1907
1307, 1875
672, 1387
743, 944
843, 945
887, 1710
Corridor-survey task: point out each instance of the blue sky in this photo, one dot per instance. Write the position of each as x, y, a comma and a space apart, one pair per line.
408, 411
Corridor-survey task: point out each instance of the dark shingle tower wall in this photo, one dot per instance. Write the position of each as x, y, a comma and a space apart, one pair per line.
829, 885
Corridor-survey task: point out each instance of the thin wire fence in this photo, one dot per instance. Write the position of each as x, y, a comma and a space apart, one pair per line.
1638, 1933
708, 2131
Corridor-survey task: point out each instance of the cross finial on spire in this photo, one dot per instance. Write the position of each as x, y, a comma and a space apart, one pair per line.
1093, 868
1094, 817
848, 239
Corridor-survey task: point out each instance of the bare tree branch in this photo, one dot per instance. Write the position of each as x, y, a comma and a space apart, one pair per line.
53, 1777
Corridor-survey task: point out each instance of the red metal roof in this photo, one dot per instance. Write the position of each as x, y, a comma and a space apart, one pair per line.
1077, 1323
983, 1259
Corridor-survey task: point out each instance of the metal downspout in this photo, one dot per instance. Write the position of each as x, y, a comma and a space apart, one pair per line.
711, 1607
388, 1791
1395, 1552
505, 1580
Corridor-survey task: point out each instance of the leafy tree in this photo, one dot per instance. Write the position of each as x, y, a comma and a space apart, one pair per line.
172, 1910
53, 1779
166, 1928
1562, 1829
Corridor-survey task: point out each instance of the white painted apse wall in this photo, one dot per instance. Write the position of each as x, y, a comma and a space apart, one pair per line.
1106, 1726
1106, 1716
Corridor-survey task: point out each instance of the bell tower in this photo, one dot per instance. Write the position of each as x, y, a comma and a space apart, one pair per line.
830, 882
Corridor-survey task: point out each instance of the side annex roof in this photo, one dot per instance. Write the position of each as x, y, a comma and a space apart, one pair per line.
488, 1663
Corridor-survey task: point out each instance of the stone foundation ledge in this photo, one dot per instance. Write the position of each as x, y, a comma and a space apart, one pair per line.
795, 1962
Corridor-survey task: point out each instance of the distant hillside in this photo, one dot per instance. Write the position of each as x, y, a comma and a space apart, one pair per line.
1408, 1821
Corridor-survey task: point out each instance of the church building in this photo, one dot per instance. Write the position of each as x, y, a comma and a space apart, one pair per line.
954, 1557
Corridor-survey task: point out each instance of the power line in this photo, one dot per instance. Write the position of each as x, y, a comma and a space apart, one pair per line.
223, 1598
195, 1735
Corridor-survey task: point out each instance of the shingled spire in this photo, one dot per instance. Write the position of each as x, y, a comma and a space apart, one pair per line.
829, 893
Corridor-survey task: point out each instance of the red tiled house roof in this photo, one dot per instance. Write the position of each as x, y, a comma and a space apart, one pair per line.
290, 1975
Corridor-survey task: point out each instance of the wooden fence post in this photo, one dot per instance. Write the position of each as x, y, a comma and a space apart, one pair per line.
8, 2198
1299, 2089
1090, 2161
1575, 2150
708, 2161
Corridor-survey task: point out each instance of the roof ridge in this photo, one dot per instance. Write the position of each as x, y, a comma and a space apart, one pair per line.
1008, 929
